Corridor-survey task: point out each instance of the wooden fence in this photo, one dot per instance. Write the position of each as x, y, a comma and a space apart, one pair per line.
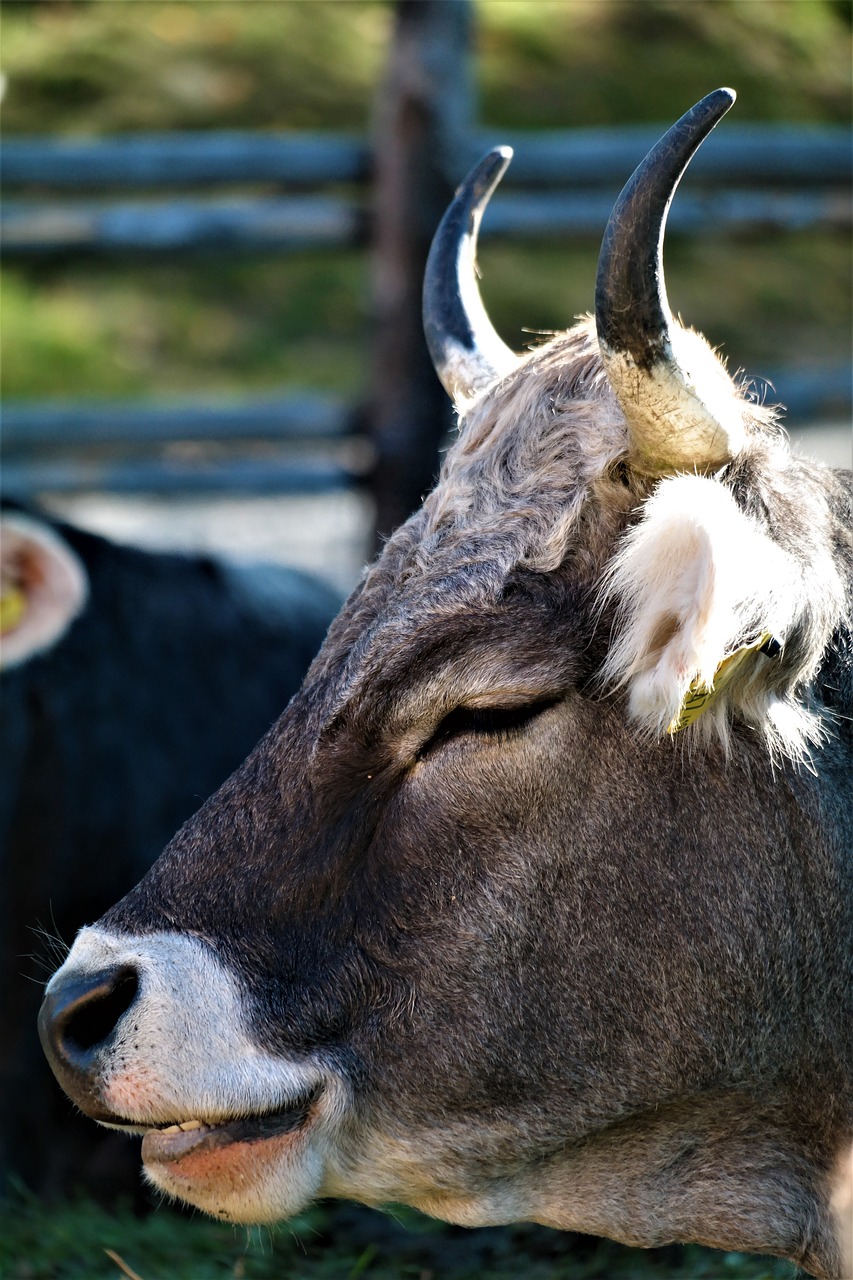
118, 197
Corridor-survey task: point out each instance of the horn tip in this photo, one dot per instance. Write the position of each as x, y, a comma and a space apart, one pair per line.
480, 183
720, 100
495, 164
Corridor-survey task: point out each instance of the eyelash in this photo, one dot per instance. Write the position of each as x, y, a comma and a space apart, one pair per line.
493, 722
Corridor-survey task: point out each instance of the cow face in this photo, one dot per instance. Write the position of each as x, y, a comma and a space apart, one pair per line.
478, 926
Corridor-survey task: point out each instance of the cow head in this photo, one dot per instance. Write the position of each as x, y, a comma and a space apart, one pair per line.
484, 924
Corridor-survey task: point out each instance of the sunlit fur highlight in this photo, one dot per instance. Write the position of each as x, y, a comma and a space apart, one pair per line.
694, 581
531, 450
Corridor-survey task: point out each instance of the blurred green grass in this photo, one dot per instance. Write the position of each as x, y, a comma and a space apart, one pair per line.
332, 1242
573, 62
222, 324
91, 68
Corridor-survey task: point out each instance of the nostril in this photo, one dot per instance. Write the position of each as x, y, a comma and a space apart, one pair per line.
77, 1023
91, 1018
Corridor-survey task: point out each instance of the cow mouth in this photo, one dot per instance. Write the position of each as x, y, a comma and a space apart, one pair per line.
174, 1142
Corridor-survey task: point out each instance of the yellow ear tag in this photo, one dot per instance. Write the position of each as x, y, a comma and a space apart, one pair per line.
13, 606
699, 696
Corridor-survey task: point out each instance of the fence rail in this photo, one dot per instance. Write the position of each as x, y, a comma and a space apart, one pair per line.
767, 177
155, 160
259, 225
757, 154
309, 222
27, 478
785, 155
287, 417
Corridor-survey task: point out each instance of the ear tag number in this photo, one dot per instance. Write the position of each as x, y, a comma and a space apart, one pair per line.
699, 695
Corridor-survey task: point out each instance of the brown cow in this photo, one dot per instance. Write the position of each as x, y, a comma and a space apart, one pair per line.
536, 902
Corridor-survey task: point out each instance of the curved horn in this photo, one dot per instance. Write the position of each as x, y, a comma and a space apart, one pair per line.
682, 408
467, 353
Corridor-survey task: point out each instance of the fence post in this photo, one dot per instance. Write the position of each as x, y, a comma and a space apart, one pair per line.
422, 112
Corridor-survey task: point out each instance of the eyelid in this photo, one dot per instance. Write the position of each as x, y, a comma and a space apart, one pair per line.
515, 715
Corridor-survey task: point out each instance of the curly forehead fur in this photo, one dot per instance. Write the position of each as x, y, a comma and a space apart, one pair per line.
532, 449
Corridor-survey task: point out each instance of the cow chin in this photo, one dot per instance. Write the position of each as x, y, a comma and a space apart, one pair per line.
245, 1181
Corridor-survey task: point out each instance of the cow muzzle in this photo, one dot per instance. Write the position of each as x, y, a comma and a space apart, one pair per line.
155, 1034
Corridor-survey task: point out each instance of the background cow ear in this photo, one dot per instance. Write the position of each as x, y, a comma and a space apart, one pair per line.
695, 581
44, 588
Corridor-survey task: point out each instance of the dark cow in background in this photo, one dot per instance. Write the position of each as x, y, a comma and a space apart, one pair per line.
133, 683
537, 902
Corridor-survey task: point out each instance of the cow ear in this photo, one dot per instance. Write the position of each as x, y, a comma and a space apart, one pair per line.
44, 588
702, 595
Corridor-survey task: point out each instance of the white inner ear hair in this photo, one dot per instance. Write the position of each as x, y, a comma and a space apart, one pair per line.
694, 581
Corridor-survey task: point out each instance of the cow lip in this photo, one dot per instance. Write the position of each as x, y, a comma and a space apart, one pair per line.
172, 1143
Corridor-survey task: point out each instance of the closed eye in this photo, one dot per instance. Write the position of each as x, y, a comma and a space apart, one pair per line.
491, 722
